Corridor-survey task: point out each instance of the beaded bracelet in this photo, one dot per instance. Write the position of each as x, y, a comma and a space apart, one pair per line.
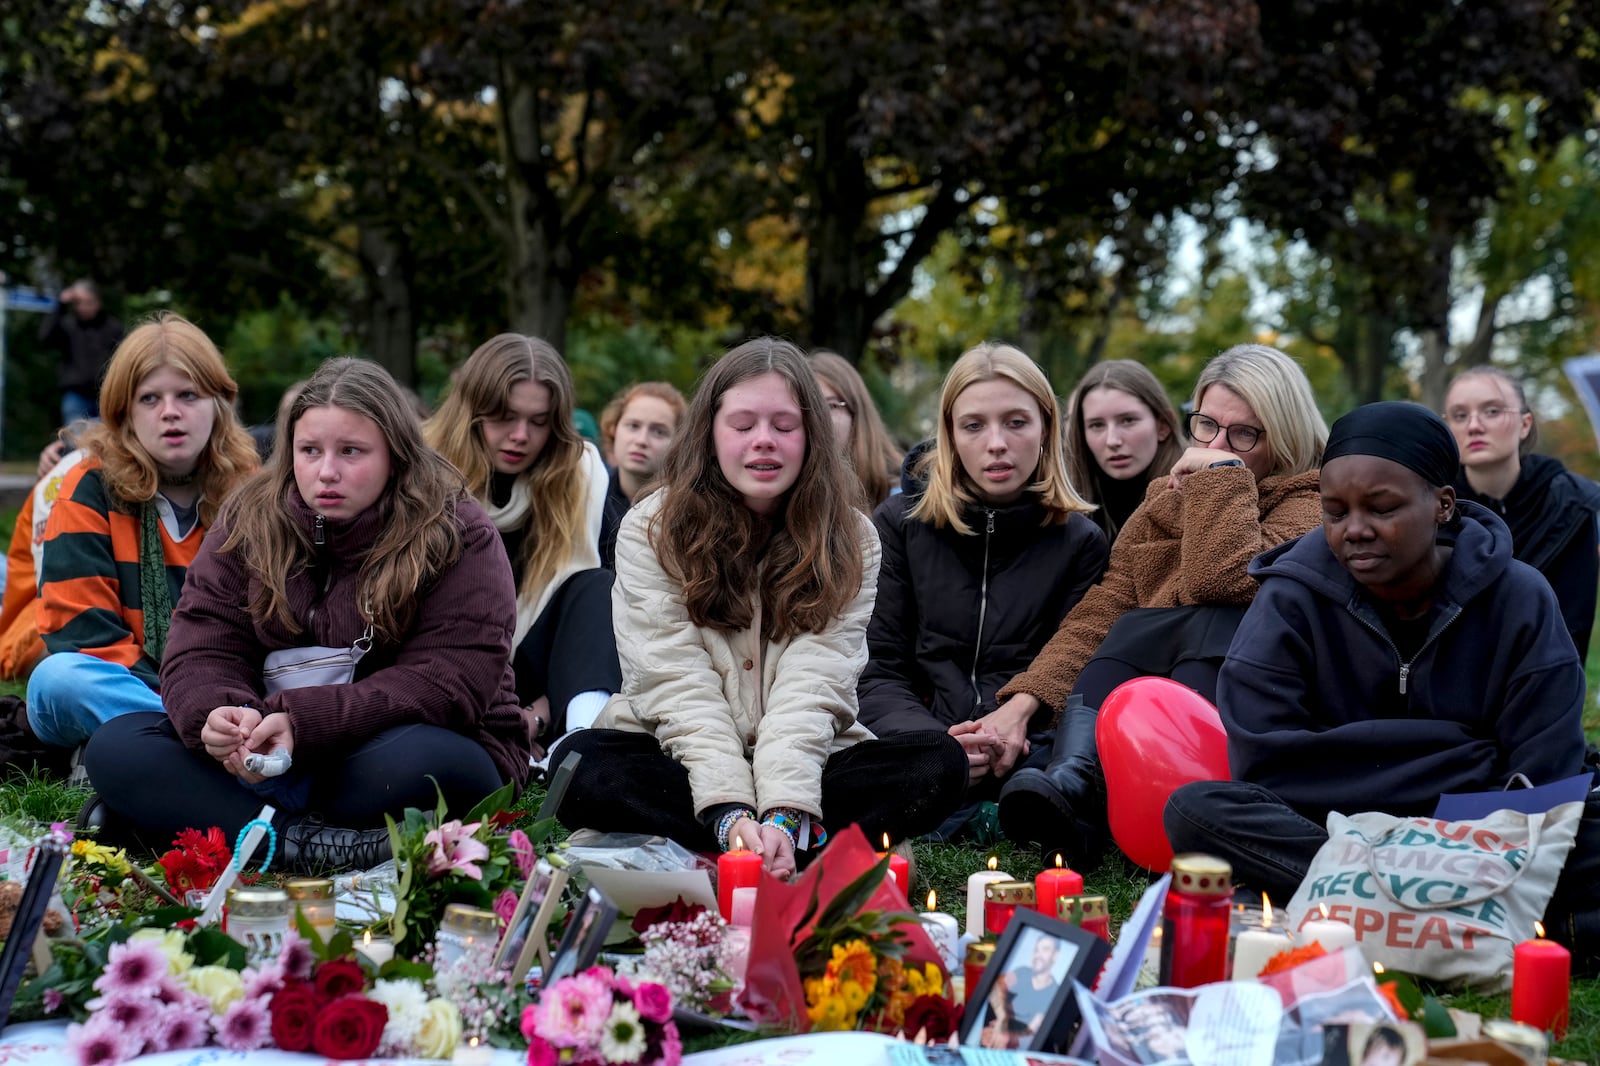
804, 831
726, 823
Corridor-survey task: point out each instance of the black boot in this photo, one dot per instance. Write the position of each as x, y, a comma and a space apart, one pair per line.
307, 846
1062, 806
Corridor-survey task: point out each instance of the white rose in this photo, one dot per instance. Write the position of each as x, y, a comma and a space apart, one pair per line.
171, 943
440, 1031
218, 984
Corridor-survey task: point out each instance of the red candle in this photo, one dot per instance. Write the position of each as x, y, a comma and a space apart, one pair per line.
735, 869
1001, 900
899, 867
1541, 983
1051, 885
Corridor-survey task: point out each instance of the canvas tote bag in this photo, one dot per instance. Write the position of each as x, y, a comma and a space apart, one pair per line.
1444, 900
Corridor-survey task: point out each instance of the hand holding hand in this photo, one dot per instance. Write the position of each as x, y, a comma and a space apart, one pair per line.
979, 744
769, 842
1008, 724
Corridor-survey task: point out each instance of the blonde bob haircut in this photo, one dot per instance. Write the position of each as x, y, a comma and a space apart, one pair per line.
950, 491
1278, 392
229, 457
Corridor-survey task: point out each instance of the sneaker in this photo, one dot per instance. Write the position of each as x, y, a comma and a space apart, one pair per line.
310, 847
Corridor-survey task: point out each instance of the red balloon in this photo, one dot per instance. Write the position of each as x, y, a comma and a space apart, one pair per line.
1153, 735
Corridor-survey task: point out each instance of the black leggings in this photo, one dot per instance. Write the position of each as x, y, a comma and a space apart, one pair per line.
156, 786
904, 785
571, 647
1101, 675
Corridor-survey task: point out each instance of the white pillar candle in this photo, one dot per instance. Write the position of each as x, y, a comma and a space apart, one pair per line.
743, 912
1330, 934
942, 930
377, 951
1252, 948
975, 886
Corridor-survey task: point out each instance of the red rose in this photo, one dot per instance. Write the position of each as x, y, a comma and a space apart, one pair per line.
936, 1014
340, 977
679, 910
349, 1028
293, 1009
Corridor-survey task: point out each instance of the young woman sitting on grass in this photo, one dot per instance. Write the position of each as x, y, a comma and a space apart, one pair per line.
744, 585
507, 426
127, 522
359, 540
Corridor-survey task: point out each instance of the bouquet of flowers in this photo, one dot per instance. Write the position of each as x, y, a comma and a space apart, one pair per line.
472, 860
600, 1017
687, 950
195, 861
839, 949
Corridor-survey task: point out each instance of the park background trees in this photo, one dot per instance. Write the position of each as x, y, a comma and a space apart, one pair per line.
1387, 191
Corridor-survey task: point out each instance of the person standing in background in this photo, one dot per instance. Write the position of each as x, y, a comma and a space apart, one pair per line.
85, 335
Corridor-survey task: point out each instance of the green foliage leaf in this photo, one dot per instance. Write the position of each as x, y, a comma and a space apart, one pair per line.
210, 946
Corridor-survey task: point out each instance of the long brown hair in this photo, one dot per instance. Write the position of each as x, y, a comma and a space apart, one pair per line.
557, 489
1136, 380
806, 560
419, 533
872, 451
950, 490
229, 456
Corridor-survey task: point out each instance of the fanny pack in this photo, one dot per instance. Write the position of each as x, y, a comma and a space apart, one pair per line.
304, 667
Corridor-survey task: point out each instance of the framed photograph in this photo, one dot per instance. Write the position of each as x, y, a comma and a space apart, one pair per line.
1024, 1000
19, 947
526, 937
586, 933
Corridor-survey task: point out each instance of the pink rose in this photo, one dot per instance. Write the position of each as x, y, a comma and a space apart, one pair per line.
522, 849
653, 1002
540, 1053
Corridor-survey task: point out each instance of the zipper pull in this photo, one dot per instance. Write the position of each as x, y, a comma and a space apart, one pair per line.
319, 537
990, 527
1405, 672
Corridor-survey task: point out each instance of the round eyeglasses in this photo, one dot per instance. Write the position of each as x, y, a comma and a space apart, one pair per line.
1241, 437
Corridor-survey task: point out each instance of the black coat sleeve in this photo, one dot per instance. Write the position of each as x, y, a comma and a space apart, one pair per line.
892, 684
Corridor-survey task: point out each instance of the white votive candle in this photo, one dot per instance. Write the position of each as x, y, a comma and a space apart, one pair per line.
1252, 948
975, 886
1332, 935
378, 951
942, 930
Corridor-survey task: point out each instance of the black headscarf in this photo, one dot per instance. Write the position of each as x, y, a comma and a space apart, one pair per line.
1406, 433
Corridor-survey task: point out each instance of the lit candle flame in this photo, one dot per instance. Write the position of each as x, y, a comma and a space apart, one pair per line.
886, 842
933, 900
1377, 968
1324, 907
1058, 860
1538, 930
994, 863
473, 1042
1266, 911
366, 938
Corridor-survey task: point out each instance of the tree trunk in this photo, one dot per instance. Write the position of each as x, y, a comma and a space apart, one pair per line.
1377, 348
836, 275
387, 267
540, 264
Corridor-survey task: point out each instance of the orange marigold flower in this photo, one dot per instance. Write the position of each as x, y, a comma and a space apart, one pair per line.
854, 963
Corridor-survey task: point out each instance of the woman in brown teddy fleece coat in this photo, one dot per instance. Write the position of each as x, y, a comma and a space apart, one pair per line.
1177, 584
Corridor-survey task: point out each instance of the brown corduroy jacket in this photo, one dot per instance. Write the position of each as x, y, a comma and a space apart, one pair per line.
1181, 548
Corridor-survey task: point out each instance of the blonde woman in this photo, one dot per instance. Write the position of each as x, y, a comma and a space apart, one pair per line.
507, 425
1177, 584
857, 426
127, 522
978, 571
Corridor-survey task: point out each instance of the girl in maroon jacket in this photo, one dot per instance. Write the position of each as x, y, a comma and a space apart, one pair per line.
359, 541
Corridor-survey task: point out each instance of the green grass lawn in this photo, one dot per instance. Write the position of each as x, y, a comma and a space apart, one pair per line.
945, 868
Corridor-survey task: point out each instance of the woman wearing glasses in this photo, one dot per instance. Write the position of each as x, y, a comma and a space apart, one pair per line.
1177, 583
1550, 510
857, 426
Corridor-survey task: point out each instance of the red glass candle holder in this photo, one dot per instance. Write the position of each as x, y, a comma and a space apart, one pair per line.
1001, 900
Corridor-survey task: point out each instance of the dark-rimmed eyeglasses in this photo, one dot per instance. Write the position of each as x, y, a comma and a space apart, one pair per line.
1241, 438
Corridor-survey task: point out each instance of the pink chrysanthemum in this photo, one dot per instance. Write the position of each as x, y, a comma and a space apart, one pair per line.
671, 1046
100, 1043
134, 967
52, 1000
294, 958
573, 1012
132, 1013
178, 1028
244, 1026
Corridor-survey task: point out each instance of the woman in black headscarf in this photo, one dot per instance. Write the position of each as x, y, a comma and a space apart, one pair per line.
1398, 653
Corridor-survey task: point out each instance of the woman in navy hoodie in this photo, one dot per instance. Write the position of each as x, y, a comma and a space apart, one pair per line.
1397, 654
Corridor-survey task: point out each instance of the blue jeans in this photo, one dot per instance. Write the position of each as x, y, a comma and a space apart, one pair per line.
77, 406
71, 694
